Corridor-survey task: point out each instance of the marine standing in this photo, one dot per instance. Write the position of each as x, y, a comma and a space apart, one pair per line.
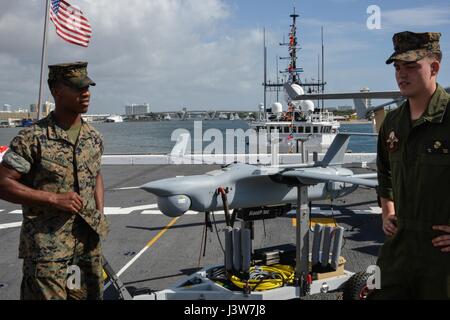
52, 169
414, 176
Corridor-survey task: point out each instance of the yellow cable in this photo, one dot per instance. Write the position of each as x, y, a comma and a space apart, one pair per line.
284, 273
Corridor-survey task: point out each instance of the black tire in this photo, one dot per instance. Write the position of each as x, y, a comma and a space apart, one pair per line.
356, 287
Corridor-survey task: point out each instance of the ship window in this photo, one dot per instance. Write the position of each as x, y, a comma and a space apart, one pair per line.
315, 129
295, 129
307, 129
286, 129
301, 129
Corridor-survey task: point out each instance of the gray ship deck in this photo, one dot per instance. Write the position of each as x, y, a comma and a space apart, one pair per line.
150, 255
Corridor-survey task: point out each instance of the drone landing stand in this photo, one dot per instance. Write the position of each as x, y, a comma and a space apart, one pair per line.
199, 286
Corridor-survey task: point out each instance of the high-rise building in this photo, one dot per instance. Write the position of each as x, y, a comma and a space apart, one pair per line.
47, 108
135, 109
6, 108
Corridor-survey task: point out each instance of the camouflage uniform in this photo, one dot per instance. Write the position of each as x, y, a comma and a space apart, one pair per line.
414, 171
411, 46
51, 239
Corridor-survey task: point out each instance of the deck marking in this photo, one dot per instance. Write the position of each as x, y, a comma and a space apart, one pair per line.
149, 244
189, 212
10, 225
373, 210
16, 212
329, 222
127, 210
315, 210
125, 188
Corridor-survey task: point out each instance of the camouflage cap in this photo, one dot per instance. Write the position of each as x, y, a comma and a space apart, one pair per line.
411, 46
73, 74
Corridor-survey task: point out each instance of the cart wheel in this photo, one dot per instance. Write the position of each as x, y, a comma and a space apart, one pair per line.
356, 287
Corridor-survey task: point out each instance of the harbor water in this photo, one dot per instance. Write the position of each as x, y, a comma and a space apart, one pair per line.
156, 137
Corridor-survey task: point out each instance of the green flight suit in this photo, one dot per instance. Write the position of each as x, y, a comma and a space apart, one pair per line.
414, 171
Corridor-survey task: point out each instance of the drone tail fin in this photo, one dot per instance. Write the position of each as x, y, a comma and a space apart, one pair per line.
336, 152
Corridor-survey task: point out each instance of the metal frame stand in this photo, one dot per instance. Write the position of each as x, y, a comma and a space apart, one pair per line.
302, 239
116, 282
199, 287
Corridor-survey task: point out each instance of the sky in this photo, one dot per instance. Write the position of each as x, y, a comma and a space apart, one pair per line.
208, 54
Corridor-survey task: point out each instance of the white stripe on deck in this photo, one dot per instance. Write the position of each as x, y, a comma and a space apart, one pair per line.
158, 212
373, 210
149, 244
120, 210
10, 225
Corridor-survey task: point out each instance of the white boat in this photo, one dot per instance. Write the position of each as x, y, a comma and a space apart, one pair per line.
114, 118
167, 117
316, 128
222, 116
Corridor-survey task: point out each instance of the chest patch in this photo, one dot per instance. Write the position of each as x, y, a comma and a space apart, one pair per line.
392, 142
437, 146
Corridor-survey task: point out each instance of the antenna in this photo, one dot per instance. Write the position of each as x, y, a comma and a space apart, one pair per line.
318, 78
292, 73
278, 80
323, 68
265, 73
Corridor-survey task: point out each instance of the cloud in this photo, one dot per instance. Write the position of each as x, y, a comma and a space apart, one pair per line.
169, 53
177, 53
419, 17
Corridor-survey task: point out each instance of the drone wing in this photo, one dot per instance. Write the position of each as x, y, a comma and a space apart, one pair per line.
307, 178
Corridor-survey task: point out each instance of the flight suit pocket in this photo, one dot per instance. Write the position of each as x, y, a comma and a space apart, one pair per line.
432, 181
435, 159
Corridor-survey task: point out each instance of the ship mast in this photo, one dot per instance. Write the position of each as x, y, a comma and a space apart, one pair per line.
292, 70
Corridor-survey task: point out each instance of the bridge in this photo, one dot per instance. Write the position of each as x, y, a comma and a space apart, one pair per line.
195, 115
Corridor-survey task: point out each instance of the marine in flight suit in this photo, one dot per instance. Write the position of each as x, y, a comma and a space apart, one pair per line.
414, 173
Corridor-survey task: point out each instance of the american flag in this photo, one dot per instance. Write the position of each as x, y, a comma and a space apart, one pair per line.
70, 23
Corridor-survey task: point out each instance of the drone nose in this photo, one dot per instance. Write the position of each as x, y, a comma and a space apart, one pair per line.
159, 188
174, 206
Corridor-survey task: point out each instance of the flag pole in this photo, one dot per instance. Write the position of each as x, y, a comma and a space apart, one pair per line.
43, 61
